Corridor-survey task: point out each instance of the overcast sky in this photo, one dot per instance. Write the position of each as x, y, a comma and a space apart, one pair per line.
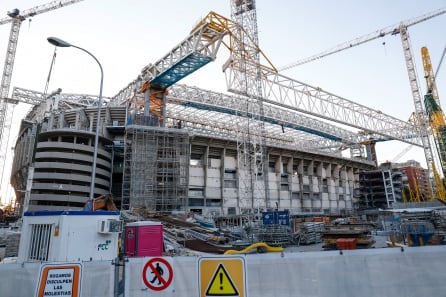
127, 35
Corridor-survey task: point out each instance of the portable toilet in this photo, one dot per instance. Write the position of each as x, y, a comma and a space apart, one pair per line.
144, 238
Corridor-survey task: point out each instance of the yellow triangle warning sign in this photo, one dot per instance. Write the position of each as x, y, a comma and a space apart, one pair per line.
221, 284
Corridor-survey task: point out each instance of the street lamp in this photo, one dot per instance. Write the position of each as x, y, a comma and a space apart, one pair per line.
60, 43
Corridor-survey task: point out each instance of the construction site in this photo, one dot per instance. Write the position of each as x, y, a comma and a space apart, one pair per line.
273, 187
271, 144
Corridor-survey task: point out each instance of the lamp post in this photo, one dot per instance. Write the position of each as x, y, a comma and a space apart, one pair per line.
60, 43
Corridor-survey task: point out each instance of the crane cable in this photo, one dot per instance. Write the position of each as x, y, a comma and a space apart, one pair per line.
49, 73
441, 60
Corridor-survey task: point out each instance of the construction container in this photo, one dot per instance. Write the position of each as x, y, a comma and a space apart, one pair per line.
346, 243
69, 235
144, 238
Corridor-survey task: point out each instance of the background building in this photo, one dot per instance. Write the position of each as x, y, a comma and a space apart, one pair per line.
393, 183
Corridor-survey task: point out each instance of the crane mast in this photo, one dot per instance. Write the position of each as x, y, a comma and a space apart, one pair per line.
253, 193
6, 104
436, 119
420, 113
430, 78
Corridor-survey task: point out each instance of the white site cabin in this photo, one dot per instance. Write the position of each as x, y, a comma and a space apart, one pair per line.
69, 236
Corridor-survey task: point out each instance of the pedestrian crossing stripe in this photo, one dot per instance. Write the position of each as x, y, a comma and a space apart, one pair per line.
221, 284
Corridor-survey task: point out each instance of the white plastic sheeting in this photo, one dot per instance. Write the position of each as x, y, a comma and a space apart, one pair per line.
415, 271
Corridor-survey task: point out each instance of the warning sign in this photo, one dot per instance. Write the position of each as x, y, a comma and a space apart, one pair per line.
221, 284
157, 274
222, 276
59, 280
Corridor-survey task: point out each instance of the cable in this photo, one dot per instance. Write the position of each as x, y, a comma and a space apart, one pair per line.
441, 60
49, 73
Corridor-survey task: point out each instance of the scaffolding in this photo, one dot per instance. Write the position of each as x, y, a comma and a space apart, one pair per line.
155, 169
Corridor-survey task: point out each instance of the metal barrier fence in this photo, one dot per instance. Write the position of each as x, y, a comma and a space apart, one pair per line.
23, 279
408, 272
415, 271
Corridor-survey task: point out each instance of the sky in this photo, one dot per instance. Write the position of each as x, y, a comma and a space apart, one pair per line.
127, 35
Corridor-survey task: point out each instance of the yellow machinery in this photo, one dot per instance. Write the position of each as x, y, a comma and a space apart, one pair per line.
412, 195
436, 121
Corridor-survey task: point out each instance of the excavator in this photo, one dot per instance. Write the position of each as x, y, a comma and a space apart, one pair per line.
103, 202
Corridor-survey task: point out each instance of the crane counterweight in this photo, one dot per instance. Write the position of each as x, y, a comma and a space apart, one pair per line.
13, 13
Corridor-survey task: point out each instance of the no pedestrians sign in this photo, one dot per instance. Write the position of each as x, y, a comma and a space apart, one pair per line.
157, 274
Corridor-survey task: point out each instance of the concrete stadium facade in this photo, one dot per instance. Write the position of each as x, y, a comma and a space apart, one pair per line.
54, 156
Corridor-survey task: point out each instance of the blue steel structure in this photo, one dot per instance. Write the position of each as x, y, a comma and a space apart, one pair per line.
179, 70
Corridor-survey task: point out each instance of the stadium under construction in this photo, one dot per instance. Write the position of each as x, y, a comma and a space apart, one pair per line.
270, 143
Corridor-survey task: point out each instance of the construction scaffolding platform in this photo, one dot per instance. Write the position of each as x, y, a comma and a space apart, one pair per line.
155, 168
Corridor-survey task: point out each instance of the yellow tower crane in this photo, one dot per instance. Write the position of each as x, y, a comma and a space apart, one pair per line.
436, 121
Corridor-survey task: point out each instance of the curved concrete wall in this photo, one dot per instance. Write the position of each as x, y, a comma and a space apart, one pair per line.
62, 170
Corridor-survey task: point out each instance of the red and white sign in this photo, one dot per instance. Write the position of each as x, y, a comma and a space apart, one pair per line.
157, 274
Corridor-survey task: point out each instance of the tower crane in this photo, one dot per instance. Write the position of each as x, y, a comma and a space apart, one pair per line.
15, 17
393, 30
436, 120
402, 29
420, 113
401, 154
253, 188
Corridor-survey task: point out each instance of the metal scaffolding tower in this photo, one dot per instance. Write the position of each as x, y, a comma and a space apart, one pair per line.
253, 174
155, 168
